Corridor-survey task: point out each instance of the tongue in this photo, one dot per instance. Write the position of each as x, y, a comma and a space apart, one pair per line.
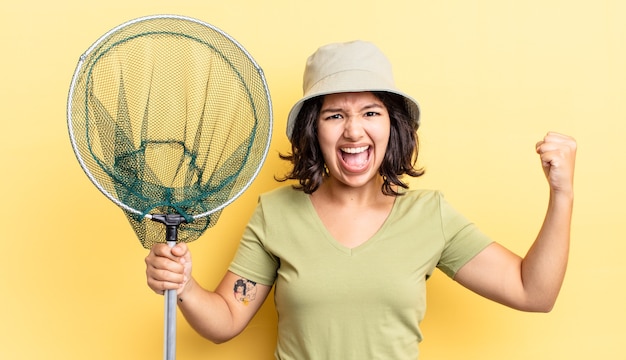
356, 159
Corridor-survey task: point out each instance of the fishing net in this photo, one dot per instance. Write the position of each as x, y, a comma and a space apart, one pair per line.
171, 119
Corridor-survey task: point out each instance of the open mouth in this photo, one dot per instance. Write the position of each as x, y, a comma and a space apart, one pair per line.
355, 157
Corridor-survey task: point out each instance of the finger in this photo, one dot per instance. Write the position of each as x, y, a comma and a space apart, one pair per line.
566, 150
552, 150
159, 263
162, 250
180, 249
165, 273
554, 155
557, 139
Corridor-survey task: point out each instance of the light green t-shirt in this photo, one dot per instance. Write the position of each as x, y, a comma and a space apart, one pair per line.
336, 303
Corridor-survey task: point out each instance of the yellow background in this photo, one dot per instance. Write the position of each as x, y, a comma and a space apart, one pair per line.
491, 76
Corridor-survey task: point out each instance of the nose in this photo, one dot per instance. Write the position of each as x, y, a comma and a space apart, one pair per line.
353, 128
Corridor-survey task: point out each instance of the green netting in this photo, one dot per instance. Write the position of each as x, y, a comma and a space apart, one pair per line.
168, 115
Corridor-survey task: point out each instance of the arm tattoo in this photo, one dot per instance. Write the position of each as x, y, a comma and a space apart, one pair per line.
244, 290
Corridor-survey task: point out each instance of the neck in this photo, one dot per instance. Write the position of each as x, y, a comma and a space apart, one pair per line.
338, 193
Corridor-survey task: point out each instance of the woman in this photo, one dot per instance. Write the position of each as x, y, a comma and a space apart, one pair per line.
350, 247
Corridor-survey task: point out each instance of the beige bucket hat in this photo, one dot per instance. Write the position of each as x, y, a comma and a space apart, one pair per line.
348, 67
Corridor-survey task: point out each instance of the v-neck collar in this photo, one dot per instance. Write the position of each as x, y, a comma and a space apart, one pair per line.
334, 242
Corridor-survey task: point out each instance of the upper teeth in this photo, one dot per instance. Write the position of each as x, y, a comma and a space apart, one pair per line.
355, 150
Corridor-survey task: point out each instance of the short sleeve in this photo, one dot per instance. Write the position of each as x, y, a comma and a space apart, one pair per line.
252, 260
463, 239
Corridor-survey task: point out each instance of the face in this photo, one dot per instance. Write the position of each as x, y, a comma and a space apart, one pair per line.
353, 133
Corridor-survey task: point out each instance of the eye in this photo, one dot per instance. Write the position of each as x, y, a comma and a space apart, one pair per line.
333, 116
371, 113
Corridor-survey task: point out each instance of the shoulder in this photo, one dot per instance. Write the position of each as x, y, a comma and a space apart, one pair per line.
282, 199
421, 197
426, 206
282, 213
283, 193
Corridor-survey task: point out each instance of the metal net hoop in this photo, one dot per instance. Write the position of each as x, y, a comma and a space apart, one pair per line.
169, 115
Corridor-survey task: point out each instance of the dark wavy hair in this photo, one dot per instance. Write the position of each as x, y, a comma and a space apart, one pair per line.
400, 158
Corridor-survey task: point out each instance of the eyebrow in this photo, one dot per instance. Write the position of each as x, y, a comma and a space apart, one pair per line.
339, 109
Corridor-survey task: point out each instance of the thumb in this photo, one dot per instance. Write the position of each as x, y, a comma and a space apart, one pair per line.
180, 249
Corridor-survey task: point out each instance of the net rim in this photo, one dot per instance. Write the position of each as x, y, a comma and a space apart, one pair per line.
113, 31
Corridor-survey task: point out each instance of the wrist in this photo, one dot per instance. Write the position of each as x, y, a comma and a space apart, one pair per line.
562, 196
185, 291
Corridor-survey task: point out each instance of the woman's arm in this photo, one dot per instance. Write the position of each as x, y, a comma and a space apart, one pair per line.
532, 283
218, 316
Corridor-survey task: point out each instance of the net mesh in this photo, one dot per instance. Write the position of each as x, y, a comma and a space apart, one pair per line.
169, 116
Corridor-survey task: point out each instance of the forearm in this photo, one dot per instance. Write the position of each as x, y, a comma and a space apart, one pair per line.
207, 313
543, 267
219, 315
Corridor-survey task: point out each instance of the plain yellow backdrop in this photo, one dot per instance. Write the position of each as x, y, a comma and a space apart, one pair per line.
492, 77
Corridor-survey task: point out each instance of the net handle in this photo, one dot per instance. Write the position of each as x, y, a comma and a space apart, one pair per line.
171, 222
169, 343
